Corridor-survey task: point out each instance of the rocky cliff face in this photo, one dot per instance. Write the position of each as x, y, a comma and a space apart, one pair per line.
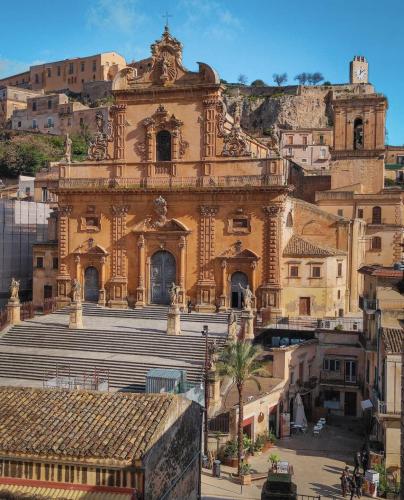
293, 107
282, 110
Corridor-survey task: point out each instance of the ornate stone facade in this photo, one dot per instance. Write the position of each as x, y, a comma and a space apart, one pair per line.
180, 194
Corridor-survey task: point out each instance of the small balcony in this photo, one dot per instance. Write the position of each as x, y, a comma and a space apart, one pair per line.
339, 379
367, 305
385, 409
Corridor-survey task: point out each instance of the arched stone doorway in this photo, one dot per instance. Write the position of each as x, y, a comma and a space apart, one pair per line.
163, 273
238, 278
91, 284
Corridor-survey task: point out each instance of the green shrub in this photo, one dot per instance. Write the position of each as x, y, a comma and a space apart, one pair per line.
245, 469
230, 449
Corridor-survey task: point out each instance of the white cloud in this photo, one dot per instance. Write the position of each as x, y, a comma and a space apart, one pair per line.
117, 15
215, 20
9, 67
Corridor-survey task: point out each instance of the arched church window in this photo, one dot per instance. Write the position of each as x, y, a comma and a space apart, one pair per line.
289, 220
163, 145
358, 133
376, 215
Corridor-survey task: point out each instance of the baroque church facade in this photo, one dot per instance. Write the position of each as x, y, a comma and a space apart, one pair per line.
175, 191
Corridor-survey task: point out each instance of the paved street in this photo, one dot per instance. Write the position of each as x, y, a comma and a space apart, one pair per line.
317, 463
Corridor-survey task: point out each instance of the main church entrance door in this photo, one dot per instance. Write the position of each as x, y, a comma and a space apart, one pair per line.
91, 284
237, 279
162, 275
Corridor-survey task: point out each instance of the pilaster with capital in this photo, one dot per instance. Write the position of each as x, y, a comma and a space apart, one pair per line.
206, 283
63, 278
182, 248
140, 290
118, 112
223, 295
119, 280
271, 288
210, 103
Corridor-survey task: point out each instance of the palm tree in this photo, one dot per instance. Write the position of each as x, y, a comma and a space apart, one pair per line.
238, 361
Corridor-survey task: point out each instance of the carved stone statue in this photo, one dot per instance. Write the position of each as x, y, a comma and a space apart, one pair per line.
160, 207
173, 292
98, 148
76, 290
232, 326
247, 296
14, 290
68, 149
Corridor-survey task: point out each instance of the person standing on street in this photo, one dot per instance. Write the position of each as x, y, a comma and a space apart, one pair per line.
345, 482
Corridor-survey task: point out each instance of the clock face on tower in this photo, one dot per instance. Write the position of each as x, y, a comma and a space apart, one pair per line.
361, 73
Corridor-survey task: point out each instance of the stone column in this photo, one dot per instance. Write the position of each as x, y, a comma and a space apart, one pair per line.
76, 316
119, 120
63, 278
119, 282
101, 296
223, 296
253, 266
247, 324
182, 293
206, 286
271, 288
140, 291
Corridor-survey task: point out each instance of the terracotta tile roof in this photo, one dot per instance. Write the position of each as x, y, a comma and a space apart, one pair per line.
393, 340
80, 424
383, 272
298, 247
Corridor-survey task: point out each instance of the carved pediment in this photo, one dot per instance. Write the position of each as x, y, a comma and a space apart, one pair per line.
169, 226
165, 68
237, 252
91, 248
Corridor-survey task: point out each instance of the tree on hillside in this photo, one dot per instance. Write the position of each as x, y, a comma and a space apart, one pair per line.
301, 78
317, 78
258, 83
242, 79
239, 361
280, 78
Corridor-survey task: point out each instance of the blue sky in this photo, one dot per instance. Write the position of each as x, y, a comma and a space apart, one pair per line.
256, 38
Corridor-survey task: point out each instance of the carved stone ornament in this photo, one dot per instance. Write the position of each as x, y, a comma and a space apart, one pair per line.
166, 58
272, 210
207, 211
161, 120
119, 210
65, 210
235, 144
160, 208
98, 148
221, 111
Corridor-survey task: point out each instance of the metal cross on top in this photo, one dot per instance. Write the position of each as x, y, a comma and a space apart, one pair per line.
166, 16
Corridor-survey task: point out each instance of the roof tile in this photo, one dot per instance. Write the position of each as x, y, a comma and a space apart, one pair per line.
82, 424
298, 247
393, 339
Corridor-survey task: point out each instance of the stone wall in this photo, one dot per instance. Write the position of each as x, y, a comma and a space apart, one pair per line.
172, 465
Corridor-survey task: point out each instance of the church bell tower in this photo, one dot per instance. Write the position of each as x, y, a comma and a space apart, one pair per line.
359, 70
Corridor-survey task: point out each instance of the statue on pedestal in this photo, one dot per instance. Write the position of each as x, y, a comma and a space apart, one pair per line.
173, 292
76, 291
68, 149
247, 297
14, 290
232, 326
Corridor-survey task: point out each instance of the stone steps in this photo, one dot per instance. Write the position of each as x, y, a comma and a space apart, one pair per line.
149, 312
188, 348
127, 375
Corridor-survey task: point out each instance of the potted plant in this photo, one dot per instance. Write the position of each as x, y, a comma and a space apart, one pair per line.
245, 473
274, 459
259, 444
230, 453
247, 445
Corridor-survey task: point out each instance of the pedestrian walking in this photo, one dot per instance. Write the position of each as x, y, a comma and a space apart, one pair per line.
189, 305
352, 488
357, 461
358, 479
345, 482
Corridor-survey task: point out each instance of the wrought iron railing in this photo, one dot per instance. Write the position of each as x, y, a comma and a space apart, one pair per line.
27, 311
220, 423
49, 305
